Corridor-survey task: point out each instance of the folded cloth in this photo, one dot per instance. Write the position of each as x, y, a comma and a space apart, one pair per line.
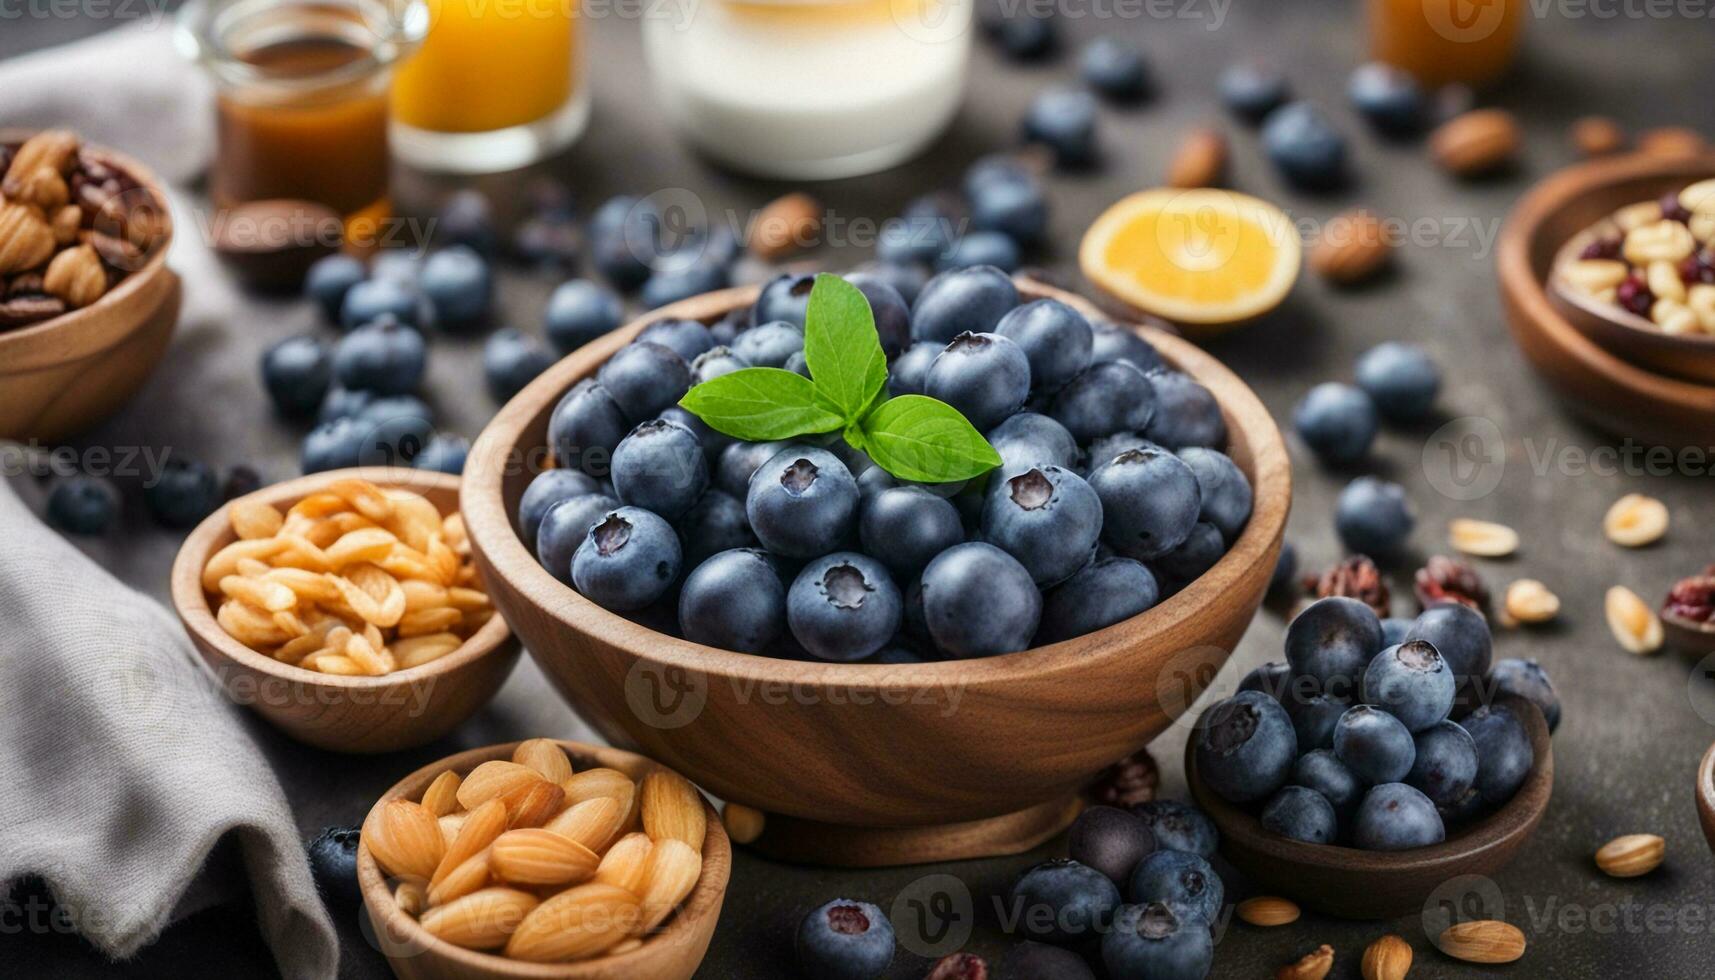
126, 765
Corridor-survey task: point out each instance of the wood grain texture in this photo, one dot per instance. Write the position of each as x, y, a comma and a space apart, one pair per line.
846, 846
672, 954
1608, 390
1354, 884
870, 745
62, 376
394, 711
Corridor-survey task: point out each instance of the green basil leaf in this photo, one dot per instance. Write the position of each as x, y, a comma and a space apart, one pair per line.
917, 438
760, 405
841, 347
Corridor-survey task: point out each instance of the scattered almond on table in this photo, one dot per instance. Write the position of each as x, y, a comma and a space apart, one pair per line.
1388, 958
1530, 602
743, 824
1475, 143
785, 225
1635, 521
1352, 247
1631, 855
1200, 160
1672, 141
1314, 966
1634, 624
1268, 910
1483, 941
1484, 539
1596, 136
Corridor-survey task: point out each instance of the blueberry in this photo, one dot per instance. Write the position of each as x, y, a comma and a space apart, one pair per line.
1179, 827
645, 378
512, 359
733, 600
1107, 447
1150, 502
368, 301
1412, 683
1337, 421
459, 284
395, 429
845, 940
994, 170
564, 527
1245, 746
686, 338
1504, 753
384, 356
1375, 745
1225, 492
981, 248
1055, 338
1017, 209
962, 301
1026, 35
586, 426
1314, 717
549, 242
798, 364
343, 403
1178, 877
1029, 439
1273, 679
1400, 379
1331, 642
739, 462
1109, 397
1040, 961
399, 266
1062, 901
979, 601
1467, 807
1115, 69
1394, 631
714, 441
1305, 147
1252, 91
985, 376
910, 371
333, 445
1282, 583
82, 504
1111, 343
1046, 517
548, 488
1301, 814
628, 559
1446, 765
624, 240
660, 467
678, 281
716, 522
297, 372
183, 493
906, 278
802, 502
1388, 97
580, 311
1186, 413
906, 527
1159, 940
1198, 553
330, 278
917, 239
768, 345
443, 453
1111, 840
843, 606
333, 866
784, 299
1395, 817
1322, 771
1102, 593
1373, 517
467, 219
1460, 634
715, 362
888, 307
1526, 679
1064, 120
899, 654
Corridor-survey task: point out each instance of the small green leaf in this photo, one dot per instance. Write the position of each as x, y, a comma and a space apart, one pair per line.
841, 347
917, 438
760, 405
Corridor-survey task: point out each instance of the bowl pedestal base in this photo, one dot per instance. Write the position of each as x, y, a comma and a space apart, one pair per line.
802, 841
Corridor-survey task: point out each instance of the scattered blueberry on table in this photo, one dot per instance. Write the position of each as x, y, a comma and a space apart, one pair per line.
82, 505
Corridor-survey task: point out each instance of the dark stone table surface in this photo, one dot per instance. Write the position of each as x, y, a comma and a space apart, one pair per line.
1634, 728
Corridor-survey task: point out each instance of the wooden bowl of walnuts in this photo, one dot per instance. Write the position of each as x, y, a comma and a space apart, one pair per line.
87, 303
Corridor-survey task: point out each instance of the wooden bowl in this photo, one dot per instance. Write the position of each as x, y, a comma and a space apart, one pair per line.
671, 954
864, 745
62, 376
1706, 795
1354, 884
1612, 386
394, 711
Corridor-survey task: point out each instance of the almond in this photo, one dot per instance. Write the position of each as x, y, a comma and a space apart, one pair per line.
451, 824
544, 756
593, 783
26, 238
534, 856
411, 897
672, 808
538, 805
479, 830
626, 863
1485, 539
44, 188
1596, 136
1631, 855
743, 824
1352, 247
1483, 941
1476, 142
405, 839
1267, 910
76, 276
1529, 601
785, 225
672, 873
1634, 624
577, 923
470, 875
1672, 141
481, 920
1635, 521
1200, 160
1388, 958
52, 149
1314, 966
492, 779
592, 823
441, 798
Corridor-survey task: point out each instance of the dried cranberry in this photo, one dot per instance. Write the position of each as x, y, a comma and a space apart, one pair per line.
1444, 579
1692, 599
1634, 295
1697, 267
1128, 782
1355, 578
1602, 248
959, 966
1672, 210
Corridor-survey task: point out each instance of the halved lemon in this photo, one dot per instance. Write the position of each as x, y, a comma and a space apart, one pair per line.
1203, 256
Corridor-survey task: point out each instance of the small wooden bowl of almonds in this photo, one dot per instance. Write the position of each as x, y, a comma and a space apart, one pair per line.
543, 860
344, 608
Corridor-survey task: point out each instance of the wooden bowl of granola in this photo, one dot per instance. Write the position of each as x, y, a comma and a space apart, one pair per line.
671, 953
67, 361
396, 710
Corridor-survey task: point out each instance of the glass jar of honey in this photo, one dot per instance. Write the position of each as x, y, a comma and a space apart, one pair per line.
1471, 42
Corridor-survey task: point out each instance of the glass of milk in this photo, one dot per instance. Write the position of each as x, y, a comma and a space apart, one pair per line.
809, 89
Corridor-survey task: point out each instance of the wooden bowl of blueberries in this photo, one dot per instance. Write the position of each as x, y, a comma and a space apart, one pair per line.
1377, 762
865, 613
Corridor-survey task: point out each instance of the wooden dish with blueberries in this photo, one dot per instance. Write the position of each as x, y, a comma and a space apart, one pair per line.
1378, 761
962, 554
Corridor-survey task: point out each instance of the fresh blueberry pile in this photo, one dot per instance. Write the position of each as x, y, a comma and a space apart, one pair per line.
1000, 214
178, 495
1372, 740
1112, 490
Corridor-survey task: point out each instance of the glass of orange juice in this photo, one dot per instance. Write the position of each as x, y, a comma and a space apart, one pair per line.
495, 85
1471, 42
